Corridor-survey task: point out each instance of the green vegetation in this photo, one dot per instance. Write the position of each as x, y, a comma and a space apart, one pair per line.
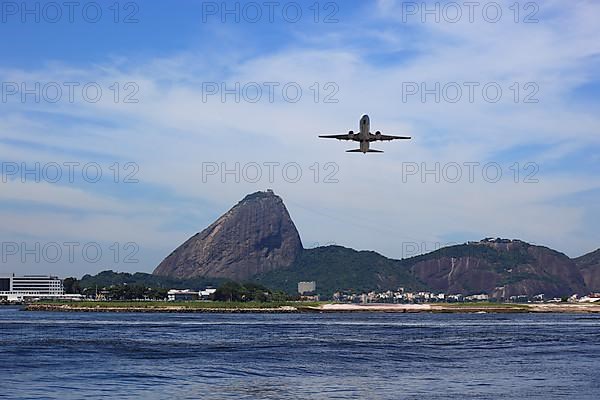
233, 291
457, 251
110, 278
71, 285
500, 260
337, 268
139, 286
126, 286
116, 292
125, 292
523, 276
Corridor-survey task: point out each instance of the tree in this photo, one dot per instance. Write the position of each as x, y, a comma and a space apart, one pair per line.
229, 291
233, 291
71, 286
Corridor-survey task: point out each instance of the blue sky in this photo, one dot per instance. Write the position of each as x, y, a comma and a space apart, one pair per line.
364, 61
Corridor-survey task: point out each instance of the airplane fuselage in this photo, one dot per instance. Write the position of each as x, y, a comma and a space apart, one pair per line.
363, 133
364, 127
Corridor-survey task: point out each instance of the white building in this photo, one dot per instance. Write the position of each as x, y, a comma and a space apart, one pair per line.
32, 287
478, 297
307, 287
206, 293
189, 295
593, 298
182, 295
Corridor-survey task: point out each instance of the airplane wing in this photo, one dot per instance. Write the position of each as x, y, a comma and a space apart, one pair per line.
387, 137
343, 136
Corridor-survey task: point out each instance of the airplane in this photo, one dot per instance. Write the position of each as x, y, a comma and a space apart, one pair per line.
364, 136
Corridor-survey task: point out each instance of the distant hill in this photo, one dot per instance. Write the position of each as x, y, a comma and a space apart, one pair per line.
340, 268
499, 267
257, 240
589, 267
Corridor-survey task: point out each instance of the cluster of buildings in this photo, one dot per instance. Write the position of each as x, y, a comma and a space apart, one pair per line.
590, 298
308, 291
33, 287
401, 296
397, 296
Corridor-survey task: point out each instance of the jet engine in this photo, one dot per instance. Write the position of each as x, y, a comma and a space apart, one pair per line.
378, 135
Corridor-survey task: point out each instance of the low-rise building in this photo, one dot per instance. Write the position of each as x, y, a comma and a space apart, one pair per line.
522, 298
478, 297
539, 297
182, 295
455, 298
207, 293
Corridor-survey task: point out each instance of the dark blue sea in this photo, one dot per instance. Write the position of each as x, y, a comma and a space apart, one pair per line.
45, 355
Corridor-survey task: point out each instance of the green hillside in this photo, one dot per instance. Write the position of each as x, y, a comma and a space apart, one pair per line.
339, 268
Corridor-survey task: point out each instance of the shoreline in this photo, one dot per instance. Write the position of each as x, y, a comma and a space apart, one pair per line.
161, 309
462, 308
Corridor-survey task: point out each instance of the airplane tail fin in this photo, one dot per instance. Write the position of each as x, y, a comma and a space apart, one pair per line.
360, 151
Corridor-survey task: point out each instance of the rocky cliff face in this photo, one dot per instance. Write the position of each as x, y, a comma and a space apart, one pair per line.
589, 267
256, 236
502, 268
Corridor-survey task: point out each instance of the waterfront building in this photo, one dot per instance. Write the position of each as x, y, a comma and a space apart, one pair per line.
32, 287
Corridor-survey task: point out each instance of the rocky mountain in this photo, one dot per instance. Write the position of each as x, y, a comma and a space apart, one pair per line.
257, 240
255, 236
499, 267
589, 267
